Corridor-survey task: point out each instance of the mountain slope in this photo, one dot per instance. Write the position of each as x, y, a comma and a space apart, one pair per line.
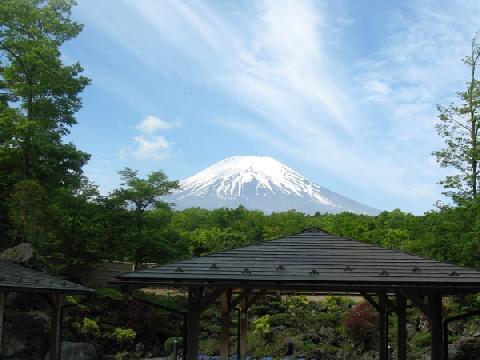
259, 182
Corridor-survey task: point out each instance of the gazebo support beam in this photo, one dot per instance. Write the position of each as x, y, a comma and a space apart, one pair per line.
56, 302
401, 327
2, 307
193, 323
436, 325
225, 301
383, 329
381, 307
243, 327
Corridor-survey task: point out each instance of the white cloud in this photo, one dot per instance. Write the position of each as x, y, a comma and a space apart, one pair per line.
150, 124
151, 147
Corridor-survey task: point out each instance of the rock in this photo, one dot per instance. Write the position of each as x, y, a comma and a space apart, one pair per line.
76, 351
14, 345
25, 335
465, 348
21, 253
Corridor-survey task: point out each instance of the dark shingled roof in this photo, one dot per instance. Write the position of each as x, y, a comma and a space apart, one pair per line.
15, 277
311, 260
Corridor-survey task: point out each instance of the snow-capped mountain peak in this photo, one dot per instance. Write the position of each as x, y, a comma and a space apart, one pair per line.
259, 182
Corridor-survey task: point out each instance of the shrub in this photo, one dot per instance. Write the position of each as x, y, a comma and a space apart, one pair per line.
88, 328
421, 340
71, 300
336, 304
124, 336
326, 319
281, 319
110, 294
262, 325
361, 323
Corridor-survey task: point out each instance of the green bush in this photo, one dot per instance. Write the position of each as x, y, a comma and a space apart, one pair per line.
281, 319
71, 300
262, 325
111, 294
88, 328
326, 319
421, 340
124, 336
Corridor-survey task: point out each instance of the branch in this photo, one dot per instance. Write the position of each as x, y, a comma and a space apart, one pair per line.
12, 53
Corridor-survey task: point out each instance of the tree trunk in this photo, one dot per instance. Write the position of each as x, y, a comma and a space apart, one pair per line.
474, 124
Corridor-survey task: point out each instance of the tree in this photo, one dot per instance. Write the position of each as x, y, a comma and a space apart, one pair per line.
39, 96
27, 211
139, 195
459, 126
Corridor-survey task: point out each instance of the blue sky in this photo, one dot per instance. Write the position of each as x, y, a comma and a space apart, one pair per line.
343, 92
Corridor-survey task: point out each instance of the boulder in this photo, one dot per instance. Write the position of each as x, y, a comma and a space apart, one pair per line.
76, 351
25, 335
21, 253
465, 348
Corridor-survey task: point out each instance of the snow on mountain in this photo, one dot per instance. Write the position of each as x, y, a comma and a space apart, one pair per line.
259, 182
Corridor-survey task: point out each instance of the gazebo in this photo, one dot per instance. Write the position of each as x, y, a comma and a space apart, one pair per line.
312, 262
19, 279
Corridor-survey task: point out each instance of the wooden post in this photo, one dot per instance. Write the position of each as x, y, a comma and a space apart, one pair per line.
401, 327
243, 327
225, 301
193, 323
436, 326
2, 307
185, 335
55, 331
382, 339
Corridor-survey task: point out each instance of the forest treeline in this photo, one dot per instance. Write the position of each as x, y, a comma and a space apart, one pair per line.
47, 201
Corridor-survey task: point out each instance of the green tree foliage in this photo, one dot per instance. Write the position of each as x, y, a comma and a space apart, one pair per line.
139, 195
39, 96
459, 126
27, 211
41, 93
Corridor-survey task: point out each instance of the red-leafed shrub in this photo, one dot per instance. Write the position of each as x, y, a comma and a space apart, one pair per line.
361, 323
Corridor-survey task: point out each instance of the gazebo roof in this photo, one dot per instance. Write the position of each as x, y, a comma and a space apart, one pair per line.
311, 260
15, 277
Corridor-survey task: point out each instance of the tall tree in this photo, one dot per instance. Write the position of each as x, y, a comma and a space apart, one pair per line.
459, 126
140, 195
39, 96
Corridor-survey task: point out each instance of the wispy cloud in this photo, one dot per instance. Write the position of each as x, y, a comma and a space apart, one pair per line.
150, 124
369, 123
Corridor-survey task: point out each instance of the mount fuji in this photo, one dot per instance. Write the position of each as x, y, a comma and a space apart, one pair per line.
261, 183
